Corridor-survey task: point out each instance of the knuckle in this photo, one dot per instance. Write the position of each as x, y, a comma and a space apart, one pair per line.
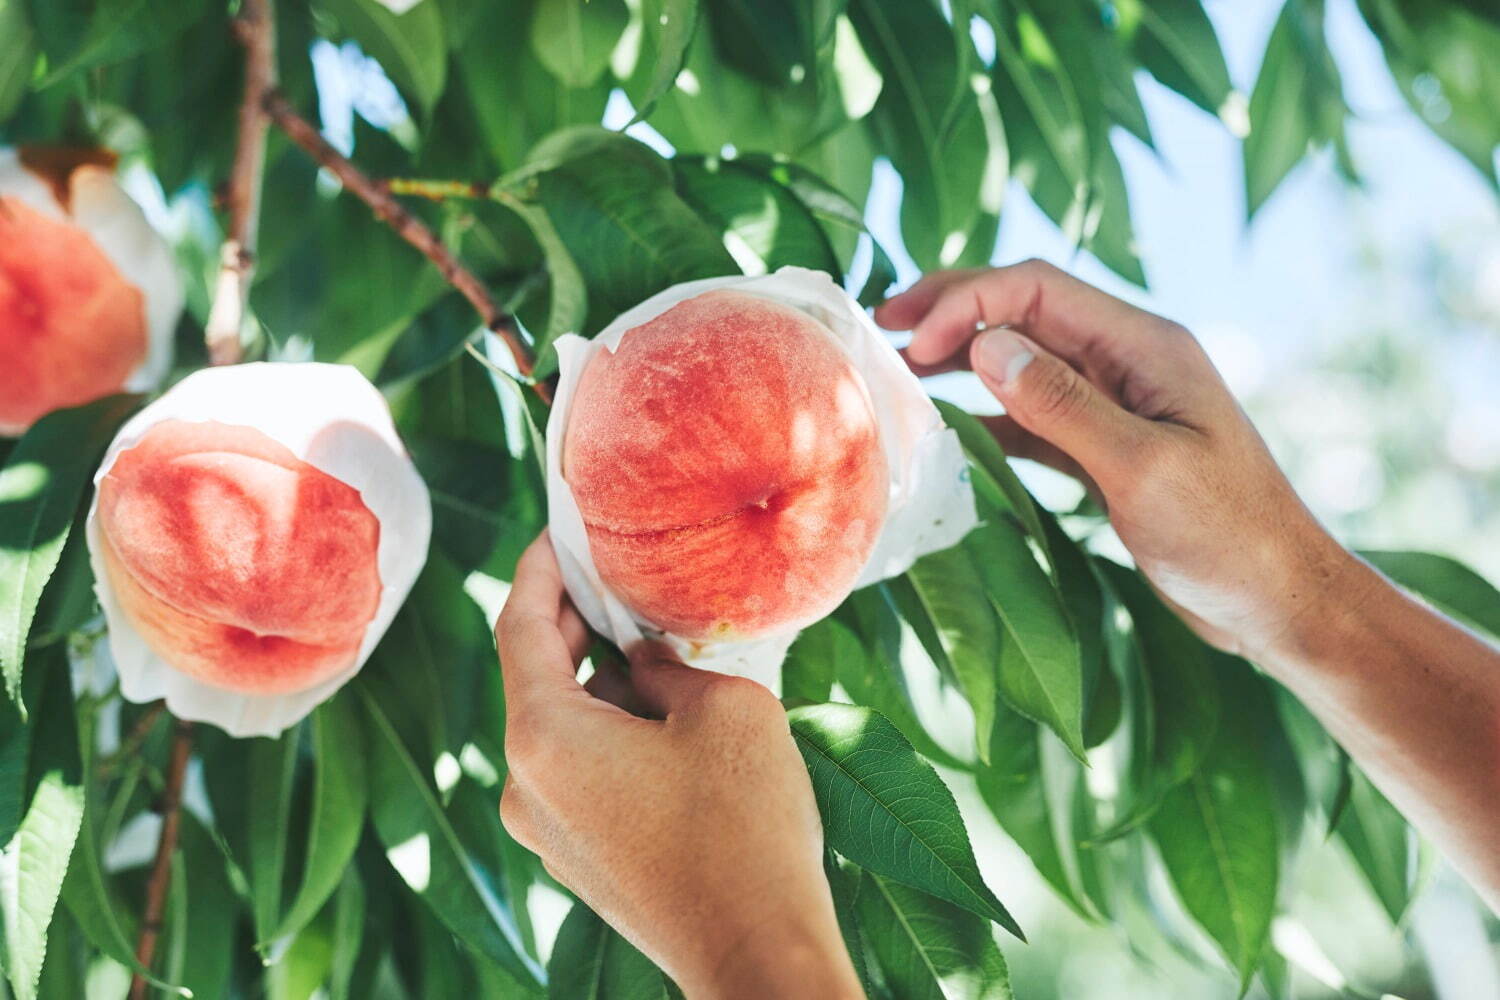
739, 698
527, 752
1056, 393
1037, 267
514, 816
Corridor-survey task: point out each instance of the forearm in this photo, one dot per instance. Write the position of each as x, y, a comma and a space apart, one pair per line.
1415, 699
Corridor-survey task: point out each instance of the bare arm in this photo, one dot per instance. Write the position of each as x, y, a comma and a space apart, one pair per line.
1129, 402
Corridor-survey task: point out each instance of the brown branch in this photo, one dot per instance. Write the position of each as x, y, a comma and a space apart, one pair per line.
132, 743
255, 27
161, 868
413, 230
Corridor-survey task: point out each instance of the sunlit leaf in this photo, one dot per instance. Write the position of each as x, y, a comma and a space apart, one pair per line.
40, 486
886, 809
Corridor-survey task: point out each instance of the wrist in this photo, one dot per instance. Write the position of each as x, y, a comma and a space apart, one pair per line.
782, 959
1331, 601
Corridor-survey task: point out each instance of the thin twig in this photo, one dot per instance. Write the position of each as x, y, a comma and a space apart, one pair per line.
161, 868
380, 200
435, 190
132, 743
255, 27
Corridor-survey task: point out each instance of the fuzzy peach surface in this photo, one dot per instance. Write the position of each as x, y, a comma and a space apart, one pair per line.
728, 467
72, 328
240, 564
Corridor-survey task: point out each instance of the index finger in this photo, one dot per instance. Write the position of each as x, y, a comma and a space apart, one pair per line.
1063, 314
535, 659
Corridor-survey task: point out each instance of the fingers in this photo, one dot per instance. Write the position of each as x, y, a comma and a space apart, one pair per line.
663, 683
1057, 310
1046, 397
537, 660
901, 312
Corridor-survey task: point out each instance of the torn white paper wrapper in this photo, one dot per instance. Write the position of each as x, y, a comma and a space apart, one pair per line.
330, 417
931, 504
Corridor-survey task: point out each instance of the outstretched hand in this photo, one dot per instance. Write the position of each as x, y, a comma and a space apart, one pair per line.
671, 800
1130, 404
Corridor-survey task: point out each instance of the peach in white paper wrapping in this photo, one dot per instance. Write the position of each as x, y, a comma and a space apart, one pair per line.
114, 223
257, 550
930, 504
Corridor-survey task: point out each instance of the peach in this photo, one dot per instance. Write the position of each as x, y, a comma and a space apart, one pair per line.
88, 292
237, 562
728, 466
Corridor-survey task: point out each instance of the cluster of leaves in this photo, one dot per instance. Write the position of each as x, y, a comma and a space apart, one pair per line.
362, 853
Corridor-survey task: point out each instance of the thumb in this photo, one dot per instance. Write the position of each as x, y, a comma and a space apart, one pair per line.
1046, 396
664, 684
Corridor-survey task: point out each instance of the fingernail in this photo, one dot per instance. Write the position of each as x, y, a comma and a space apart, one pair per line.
1002, 355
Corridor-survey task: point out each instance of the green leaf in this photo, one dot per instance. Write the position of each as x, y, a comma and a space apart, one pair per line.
1380, 843
212, 912
1443, 59
108, 925
76, 35
1030, 796
17, 58
340, 798
840, 213
34, 862
1447, 583
592, 962
613, 204
766, 40
429, 669
510, 99
929, 949
1041, 670
40, 487
410, 47
876, 676
951, 591
574, 38
670, 25
812, 664
423, 848
1297, 102
1176, 42
843, 883
886, 809
764, 225
1179, 671
568, 295
1046, 127
272, 772
943, 158
996, 481
1217, 831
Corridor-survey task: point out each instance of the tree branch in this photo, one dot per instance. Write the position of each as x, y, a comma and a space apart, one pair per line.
161, 868
380, 200
255, 27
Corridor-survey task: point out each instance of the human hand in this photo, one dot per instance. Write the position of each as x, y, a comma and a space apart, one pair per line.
693, 831
1130, 403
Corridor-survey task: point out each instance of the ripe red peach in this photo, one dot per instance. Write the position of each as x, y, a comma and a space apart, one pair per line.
727, 464
78, 263
237, 562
